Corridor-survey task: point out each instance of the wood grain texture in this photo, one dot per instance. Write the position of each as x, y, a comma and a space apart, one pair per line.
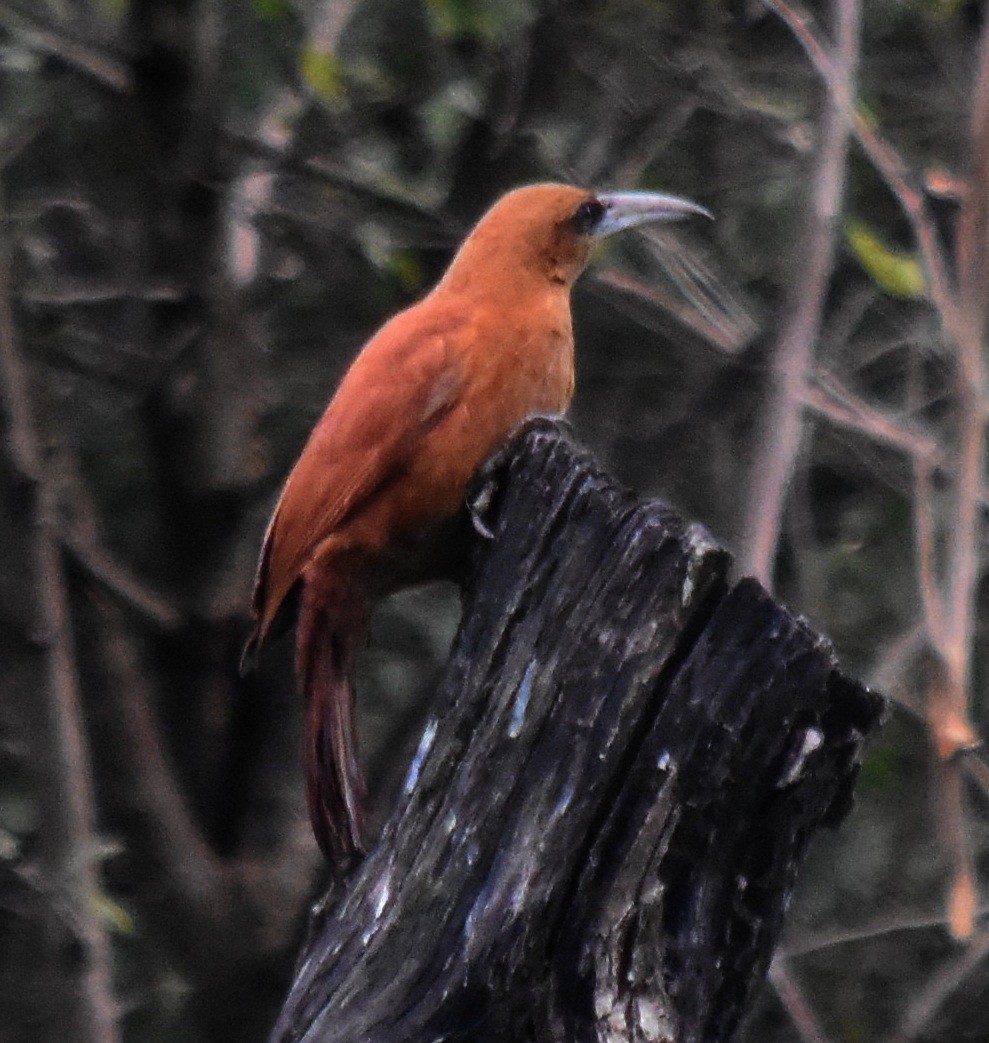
600, 831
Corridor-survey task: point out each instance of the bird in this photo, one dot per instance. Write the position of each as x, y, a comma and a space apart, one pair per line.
442, 385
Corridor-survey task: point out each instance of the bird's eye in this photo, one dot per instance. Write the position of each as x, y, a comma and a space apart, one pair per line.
587, 216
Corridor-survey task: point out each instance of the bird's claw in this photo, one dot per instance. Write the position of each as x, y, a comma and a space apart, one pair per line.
551, 423
479, 501
482, 491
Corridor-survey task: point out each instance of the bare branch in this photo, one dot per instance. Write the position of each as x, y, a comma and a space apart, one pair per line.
896, 664
969, 335
867, 932
794, 1003
220, 910
98, 64
69, 830
193, 875
68, 293
976, 768
824, 394
939, 988
780, 439
882, 156
924, 532
962, 900
120, 581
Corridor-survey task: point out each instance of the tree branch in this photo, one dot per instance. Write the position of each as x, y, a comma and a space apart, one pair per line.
780, 438
68, 831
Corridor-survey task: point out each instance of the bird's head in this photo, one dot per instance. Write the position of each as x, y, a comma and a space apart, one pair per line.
549, 230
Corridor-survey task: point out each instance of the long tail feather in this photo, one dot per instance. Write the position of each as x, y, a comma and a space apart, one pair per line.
329, 633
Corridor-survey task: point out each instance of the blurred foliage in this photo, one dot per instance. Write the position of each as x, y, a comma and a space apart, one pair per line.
895, 271
209, 205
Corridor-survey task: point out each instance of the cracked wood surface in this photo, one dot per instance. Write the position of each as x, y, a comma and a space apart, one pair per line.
600, 831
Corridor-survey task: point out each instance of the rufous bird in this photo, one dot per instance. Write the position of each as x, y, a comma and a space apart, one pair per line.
441, 386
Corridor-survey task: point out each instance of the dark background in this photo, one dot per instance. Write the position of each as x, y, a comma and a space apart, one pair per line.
208, 205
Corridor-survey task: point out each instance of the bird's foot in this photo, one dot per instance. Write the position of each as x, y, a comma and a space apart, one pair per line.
482, 491
480, 498
550, 423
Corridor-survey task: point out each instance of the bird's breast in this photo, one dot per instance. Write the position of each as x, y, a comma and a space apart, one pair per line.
504, 365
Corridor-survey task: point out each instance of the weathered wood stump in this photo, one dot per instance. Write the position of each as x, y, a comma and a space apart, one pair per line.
600, 831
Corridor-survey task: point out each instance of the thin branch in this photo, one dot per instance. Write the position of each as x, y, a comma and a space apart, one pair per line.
792, 998
924, 532
972, 244
882, 156
976, 769
194, 875
22, 445
962, 900
69, 830
939, 988
793, 354
897, 664
98, 64
824, 394
868, 932
69, 293
911, 199
969, 335
220, 910
327, 20
104, 569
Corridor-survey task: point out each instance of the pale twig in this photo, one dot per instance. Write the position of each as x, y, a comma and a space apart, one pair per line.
69, 829
973, 274
948, 700
962, 900
69, 293
867, 932
238, 905
882, 156
939, 988
976, 768
971, 245
93, 62
924, 531
327, 20
251, 192
794, 1003
911, 199
824, 395
100, 565
897, 663
194, 876
780, 439
221, 910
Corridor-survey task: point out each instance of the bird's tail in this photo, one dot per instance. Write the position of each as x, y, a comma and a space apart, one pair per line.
329, 632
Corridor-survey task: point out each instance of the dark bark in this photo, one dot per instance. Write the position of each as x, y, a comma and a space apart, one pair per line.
601, 828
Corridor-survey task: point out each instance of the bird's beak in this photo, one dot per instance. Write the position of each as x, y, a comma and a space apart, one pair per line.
628, 209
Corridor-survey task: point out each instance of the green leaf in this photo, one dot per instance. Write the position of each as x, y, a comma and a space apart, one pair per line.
486, 20
896, 272
404, 267
321, 72
114, 915
269, 10
116, 9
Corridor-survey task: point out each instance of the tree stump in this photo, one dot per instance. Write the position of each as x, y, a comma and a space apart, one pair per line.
600, 831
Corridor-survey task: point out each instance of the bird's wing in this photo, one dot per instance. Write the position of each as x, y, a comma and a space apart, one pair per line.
400, 387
